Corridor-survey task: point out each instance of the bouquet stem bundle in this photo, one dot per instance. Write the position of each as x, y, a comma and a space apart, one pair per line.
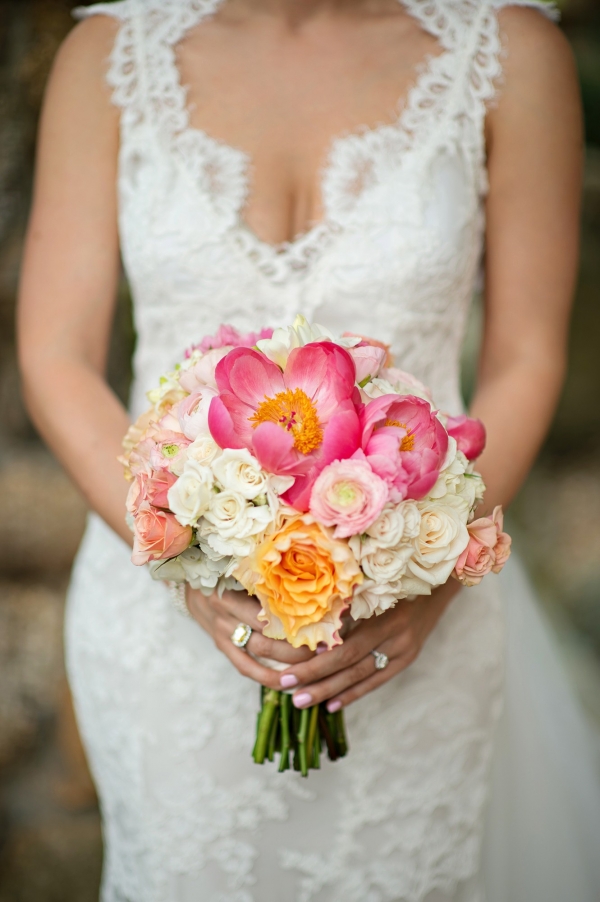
283, 729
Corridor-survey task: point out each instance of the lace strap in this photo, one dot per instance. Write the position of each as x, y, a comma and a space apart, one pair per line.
548, 9
142, 68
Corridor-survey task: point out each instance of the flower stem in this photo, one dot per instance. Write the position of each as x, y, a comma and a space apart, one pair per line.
268, 713
303, 741
312, 734
286, 703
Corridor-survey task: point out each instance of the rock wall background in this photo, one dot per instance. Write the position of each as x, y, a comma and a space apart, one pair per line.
50, 847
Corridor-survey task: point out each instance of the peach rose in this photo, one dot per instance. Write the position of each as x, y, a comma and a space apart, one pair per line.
304, 579
157, 535
487, 551
503, 541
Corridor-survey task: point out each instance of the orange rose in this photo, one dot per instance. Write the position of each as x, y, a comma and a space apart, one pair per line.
304, 579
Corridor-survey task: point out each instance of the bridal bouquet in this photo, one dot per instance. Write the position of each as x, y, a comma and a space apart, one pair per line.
305, 468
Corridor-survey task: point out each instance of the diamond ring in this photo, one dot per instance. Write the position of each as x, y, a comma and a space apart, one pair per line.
381, 660
241, 635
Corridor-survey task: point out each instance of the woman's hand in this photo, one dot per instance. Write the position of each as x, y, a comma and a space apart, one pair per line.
348, 671
220, 616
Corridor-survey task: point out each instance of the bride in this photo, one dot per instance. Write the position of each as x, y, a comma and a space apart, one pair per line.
353, 160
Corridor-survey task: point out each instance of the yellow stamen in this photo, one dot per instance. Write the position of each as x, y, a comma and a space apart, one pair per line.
408, 442
293, 411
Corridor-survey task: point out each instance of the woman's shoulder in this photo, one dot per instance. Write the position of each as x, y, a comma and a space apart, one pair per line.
85, 50
537, 58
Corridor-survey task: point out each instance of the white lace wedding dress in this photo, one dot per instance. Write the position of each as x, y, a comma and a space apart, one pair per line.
167, 721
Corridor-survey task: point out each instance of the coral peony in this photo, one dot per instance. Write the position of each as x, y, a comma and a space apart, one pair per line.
304, 579
157, 535
405, 443
368, 361
348, 495
469, 435
295, 422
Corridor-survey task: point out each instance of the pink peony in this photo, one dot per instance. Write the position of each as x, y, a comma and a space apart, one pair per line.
368, 361
157, 535
295, 422
228, 335
404, 442
488, 549
347, 494
469, 435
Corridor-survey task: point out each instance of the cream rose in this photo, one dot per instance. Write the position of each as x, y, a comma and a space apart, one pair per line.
204, 450
232, 525
443, 536
191, 495
374, 598
385, 565
236, 469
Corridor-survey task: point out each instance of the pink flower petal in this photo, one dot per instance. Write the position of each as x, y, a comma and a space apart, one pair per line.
220, 423
274, 450
469, 435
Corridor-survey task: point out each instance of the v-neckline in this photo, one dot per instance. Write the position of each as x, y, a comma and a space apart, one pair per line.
279, 260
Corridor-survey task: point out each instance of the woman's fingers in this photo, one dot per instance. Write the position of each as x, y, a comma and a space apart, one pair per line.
278, 650
239, 605
366, 636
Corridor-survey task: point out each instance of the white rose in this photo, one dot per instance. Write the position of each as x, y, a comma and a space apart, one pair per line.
376, 388
238, 470
385, 565
204, 450
232, 525
203, 568
442, 538
372, 598
191, 495
397, 523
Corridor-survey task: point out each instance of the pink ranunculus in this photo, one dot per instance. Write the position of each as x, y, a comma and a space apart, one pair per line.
202, 373
167, 448
192, 412
347, 494
421, 442
295, 422
157, 535
469, 435
228, 335
503, 541
374, 343
368, 360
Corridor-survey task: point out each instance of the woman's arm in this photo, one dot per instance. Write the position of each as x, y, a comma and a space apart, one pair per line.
67, 295
535, 163
70, 272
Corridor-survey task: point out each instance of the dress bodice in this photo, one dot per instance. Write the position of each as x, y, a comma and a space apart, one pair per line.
397, 252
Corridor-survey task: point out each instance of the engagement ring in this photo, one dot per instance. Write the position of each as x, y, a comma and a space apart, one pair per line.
381, 660
241, 635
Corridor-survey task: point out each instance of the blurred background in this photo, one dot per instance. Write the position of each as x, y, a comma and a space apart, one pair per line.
50, 844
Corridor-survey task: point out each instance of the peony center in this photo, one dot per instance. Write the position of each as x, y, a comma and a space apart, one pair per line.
295, 412
408, 442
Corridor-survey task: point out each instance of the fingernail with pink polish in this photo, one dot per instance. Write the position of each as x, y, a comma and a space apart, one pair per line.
288, 680
302, 700
321, 647
332, 707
